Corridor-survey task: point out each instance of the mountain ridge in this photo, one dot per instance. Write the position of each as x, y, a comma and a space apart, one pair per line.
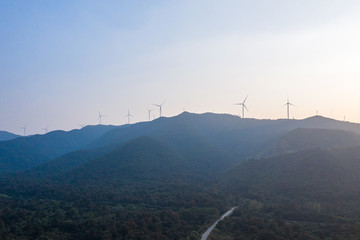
6, 136
27, 152
238, 139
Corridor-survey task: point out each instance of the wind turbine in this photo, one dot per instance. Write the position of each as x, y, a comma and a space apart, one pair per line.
82, 125
24, 128
128, 116
159, 106
243, 106
149, 111
100, 116
45, 129
288, 104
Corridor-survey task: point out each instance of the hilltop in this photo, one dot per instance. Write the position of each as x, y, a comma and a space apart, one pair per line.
6, 136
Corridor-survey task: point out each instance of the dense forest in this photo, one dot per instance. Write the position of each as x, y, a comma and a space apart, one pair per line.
172, 178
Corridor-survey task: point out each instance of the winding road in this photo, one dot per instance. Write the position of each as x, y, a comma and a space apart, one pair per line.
209, 230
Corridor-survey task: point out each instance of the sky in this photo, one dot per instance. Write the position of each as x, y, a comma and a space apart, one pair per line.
62, 62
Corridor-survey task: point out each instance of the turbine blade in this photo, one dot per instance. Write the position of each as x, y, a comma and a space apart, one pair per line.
245, 100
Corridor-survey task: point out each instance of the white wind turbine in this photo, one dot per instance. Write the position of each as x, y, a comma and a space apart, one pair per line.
288, 104
149, 112
45, 129
243, 106
160, 106
129, 116
100, 117
24, 129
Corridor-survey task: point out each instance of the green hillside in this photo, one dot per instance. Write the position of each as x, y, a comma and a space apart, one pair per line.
311, 194
311, 138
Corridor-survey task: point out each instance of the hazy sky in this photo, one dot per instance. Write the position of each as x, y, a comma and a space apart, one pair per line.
63, 61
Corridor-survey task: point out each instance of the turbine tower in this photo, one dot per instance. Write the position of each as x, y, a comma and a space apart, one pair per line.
46, 129
100, 117
243, 106
159, 106
288, 104
149, 111
128, 116
24, 128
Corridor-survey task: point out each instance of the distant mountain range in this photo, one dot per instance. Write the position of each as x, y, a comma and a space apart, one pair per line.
212, 142
6, 136
186, 149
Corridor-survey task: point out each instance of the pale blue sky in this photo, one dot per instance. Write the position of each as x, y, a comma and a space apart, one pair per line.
62, 61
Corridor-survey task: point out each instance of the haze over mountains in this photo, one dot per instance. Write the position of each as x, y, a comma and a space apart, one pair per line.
203, 161
26, 152
224, 139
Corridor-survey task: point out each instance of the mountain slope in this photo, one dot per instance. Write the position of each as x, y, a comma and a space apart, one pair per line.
319, 175
311, 138
142, 189
142, 170
197, 159
215, 142
6, 136
224, 138
241, 138
142, 160
27, 152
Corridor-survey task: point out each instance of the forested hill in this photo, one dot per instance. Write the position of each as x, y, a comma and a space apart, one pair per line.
210, 143
6, 136
171, 178
311, 194
27, 152
231, 138
241, 138
311, 138
142, 189
323, 176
